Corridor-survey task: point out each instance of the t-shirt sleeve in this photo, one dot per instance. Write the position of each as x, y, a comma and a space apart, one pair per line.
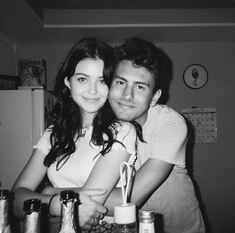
44, 144
170, 142
126, 137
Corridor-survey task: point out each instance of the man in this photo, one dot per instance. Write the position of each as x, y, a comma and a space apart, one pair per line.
161, 182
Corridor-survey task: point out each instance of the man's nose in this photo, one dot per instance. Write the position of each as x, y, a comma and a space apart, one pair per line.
128, 92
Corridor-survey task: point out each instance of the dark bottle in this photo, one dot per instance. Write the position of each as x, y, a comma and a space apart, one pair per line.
125, 218
146, 221
32, 208
67, 218
4, 211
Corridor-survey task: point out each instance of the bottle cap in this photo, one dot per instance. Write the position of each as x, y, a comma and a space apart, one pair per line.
146, 214
125, 214
32, 205
67, 195
4, 194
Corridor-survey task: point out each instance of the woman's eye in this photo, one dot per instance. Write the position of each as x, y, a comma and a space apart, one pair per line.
81, 79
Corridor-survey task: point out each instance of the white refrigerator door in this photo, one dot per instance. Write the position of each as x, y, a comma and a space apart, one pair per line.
16, 133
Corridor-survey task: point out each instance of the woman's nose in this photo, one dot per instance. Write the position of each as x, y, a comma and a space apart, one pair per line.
92, 88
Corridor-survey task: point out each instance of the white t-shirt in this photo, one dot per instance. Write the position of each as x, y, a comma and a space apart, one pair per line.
165, 133
77, 168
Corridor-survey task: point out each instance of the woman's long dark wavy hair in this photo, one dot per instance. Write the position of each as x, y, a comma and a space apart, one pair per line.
65, 121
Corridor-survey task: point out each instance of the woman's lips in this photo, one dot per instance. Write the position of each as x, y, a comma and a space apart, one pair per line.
91, 100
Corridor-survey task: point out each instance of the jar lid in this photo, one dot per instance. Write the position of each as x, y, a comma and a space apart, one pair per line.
125, 214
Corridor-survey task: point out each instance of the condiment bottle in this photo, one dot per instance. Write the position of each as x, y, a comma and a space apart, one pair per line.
125, 214
125, 218
146, 221
4, 211
32, 208
67, 218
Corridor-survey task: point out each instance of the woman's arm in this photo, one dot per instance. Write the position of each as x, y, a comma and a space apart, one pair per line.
27, 182
29, 179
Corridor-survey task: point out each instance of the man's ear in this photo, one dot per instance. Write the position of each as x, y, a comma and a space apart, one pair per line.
156, 97
66, 82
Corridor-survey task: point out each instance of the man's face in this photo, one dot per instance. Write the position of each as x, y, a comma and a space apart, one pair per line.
131, 92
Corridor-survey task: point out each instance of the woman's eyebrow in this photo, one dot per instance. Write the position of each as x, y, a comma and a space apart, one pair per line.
83, 74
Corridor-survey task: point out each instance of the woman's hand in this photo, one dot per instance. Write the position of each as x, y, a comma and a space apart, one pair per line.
90, 211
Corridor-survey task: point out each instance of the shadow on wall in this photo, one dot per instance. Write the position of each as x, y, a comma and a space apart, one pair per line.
167, 72
189, 165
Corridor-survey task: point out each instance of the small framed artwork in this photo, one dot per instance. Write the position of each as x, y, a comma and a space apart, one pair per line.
32, 72
8, 82
195, 76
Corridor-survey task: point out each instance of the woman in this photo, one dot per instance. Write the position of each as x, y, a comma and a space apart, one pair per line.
84, 144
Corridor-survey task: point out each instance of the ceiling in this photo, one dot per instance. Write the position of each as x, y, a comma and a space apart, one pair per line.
135, 4
65, 21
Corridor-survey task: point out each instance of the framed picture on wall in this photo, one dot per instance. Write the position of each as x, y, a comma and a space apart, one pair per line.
32, 72
8, 82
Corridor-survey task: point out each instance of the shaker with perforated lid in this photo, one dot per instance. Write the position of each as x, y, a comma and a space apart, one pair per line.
146, 221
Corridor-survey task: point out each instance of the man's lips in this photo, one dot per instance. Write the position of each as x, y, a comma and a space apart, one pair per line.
126, 105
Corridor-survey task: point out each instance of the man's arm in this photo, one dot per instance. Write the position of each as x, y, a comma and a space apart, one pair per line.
147, 180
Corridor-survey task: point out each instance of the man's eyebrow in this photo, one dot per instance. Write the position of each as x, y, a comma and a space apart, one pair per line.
143, 83
137, 82
116, 76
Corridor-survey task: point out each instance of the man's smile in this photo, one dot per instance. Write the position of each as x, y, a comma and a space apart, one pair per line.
125, 104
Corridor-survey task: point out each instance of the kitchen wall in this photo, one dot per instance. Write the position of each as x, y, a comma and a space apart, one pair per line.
212, 163
7, 56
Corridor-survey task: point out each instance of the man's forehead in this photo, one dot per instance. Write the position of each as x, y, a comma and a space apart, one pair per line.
126, 70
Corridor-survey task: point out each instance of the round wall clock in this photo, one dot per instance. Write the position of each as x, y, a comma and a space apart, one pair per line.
195, 76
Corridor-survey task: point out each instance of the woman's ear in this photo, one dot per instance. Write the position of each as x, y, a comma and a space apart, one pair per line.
66, 82
156, 97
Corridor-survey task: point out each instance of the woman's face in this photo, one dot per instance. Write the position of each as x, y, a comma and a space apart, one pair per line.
87, 86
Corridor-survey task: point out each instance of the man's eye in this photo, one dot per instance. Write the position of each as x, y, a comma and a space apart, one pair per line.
102, 81
119, 82
140, 87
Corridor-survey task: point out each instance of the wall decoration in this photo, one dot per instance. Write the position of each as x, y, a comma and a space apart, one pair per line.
195, 76
204, 123
8, 82
32, 72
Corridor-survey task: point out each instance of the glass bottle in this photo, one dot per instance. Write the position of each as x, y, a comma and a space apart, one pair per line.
146, 221
32, 208
4, 211
125, 218
67, 218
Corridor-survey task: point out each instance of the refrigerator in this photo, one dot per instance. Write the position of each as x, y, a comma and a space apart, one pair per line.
22, 121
